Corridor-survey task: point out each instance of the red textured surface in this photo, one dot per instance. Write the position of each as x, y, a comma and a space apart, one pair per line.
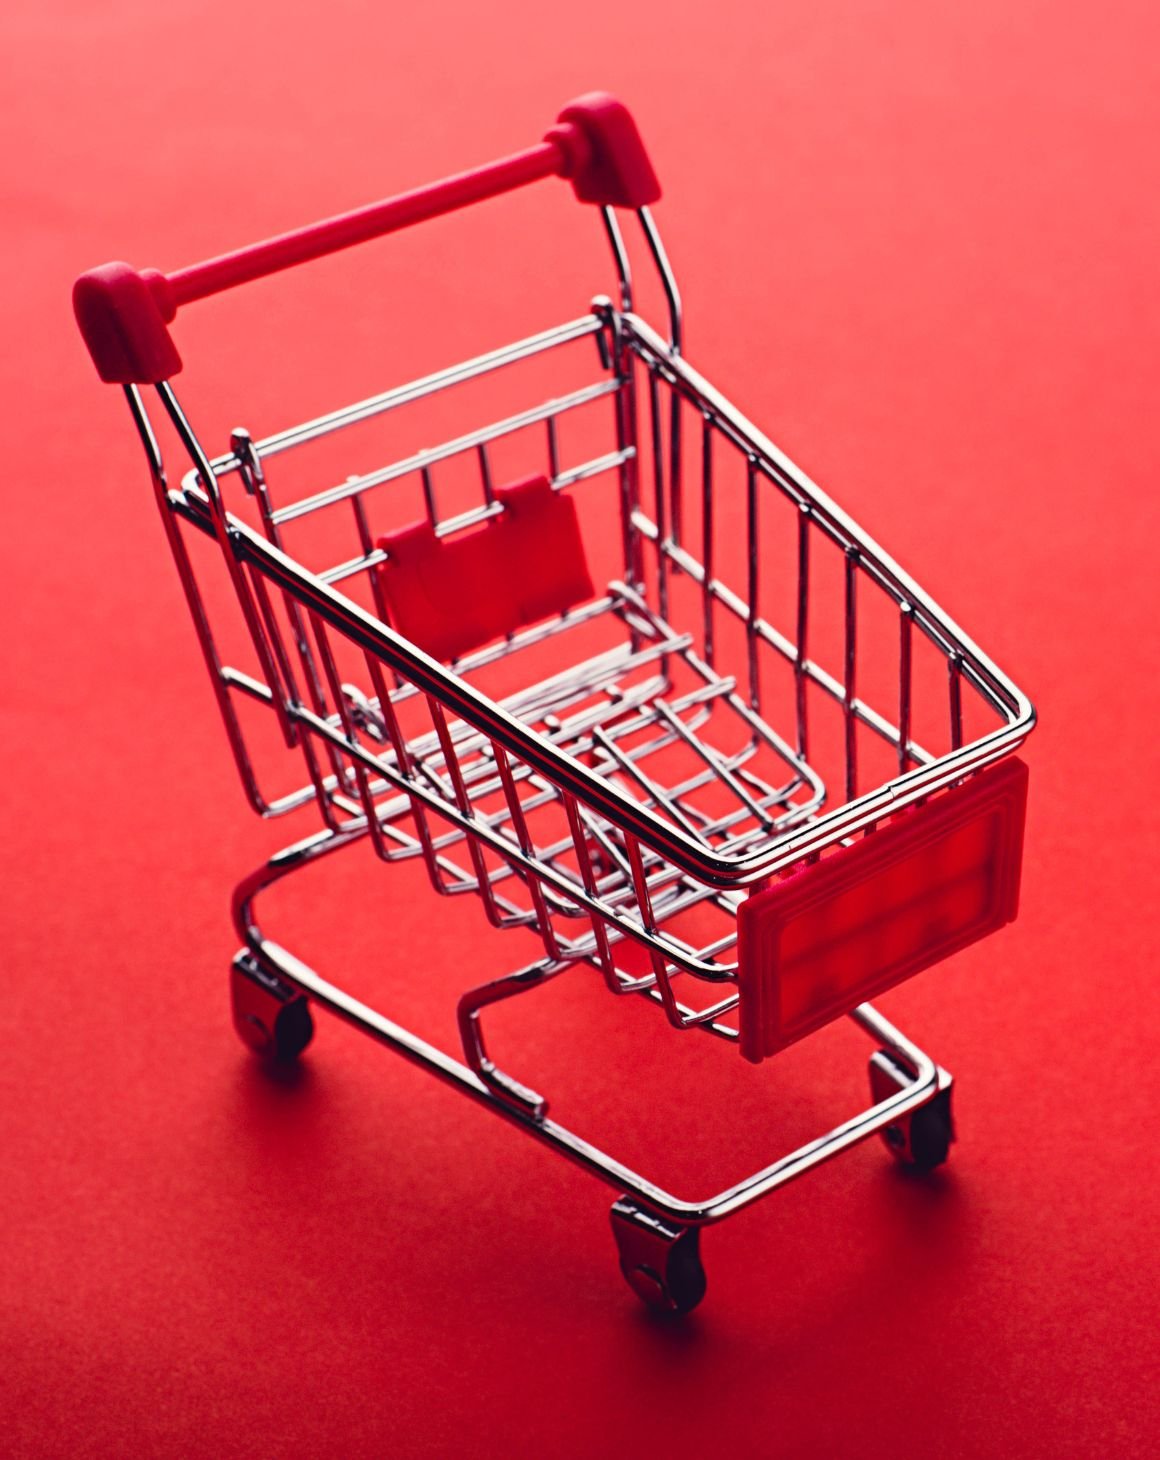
919, 243
451, 594
821, 941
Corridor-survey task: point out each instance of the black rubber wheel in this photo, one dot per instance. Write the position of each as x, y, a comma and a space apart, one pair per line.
930, 1136
667, 1276
921, 1140
924, 1140
685, 1281
271, 1017
293, 1030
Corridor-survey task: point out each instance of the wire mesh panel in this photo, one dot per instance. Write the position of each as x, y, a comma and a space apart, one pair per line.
718, 675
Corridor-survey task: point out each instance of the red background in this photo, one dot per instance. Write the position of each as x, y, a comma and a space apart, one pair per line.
918, 242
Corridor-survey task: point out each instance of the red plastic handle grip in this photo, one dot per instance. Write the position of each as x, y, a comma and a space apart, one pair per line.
124, 313
375, 221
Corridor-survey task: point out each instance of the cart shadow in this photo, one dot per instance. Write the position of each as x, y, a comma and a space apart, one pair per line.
279, 1100
673, 1334
923, 1224
292, 1075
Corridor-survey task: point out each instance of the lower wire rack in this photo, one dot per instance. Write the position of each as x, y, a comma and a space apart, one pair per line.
648, 715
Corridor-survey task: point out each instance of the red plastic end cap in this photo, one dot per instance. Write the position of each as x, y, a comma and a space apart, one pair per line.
612, 168
123, 316
927, 884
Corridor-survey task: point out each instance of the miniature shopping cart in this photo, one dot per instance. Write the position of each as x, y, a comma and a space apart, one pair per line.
604, 659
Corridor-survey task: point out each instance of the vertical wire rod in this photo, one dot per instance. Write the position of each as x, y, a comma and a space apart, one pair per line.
803, 627
707, 601
754, 580
905, 651
850, 672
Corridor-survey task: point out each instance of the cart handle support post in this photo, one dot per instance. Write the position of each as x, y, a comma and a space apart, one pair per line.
124, 313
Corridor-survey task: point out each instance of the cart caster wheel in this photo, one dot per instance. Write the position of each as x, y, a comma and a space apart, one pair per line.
922, 1139
272, 1018
661, 1261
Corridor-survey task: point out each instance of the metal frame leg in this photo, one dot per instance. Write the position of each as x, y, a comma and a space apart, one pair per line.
499, 1091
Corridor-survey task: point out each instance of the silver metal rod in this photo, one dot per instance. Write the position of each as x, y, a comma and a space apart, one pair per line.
619, 255
905, 621
668, 279
415, 390
850, 671
801, 655
421, 459
707, 543
753, 579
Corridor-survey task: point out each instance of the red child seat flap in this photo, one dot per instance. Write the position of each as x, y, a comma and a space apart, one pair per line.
815, 945
453, 594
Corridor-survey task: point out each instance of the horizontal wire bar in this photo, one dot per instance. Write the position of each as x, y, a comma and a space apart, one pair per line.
421, 459
415, 390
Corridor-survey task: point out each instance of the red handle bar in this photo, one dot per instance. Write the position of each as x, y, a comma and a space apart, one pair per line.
124, 313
